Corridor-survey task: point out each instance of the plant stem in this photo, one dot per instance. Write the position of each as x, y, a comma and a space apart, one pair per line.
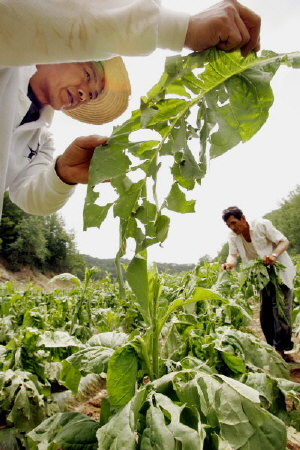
145, 355
120, 277
155, 359
118, 263
155, 329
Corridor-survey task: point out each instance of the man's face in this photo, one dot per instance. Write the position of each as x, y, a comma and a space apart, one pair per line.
236, 225
68, 85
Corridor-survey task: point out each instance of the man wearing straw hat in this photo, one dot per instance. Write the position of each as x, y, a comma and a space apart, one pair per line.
92, 92
43, 49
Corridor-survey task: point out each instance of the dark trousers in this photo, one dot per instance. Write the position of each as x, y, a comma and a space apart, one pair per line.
277, 331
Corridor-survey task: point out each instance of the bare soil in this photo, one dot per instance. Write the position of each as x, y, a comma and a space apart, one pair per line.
26, 276
89, 400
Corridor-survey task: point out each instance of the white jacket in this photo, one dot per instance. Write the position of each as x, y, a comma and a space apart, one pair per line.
45, 31
27, 166
264, 237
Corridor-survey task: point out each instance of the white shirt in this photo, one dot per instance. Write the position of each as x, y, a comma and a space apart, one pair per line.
27, 166
264, 237
49, 31
251, 253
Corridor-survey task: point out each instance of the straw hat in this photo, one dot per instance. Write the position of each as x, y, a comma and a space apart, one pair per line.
112, 101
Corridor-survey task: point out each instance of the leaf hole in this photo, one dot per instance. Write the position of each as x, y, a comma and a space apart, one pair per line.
144, 135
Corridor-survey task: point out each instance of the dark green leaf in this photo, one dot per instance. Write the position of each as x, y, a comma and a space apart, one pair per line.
68, 431
70, 376
162, 227
121, 430
93, 214
176, 201
137, 278
121, 376
107, 163
127, 203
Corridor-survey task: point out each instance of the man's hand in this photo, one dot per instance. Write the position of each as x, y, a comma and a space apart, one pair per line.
281, 247
72, 166
227, 25
227, 266
269, 260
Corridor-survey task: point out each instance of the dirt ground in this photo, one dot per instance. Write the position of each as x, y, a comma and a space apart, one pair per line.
89, 400
22, 278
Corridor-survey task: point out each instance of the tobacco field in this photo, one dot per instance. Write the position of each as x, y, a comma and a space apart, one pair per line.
177, 365
174, 358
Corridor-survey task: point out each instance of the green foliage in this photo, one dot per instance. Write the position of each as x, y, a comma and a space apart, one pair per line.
65, 430
30, 244
36, 241
207, 274
196, 347
11, 217
192, 409
11, 439
21, 397
255, 274
223, 253
121, 376
93, 358
233, 352
286, 219
274, 392
82, 312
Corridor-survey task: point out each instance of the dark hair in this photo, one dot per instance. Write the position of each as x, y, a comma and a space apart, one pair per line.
232, 211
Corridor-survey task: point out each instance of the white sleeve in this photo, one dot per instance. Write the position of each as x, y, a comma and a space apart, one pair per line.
272, 233
45, 31
233, 249
37, 189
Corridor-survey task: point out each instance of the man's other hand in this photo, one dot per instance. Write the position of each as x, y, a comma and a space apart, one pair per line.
228, 25
227, 266
72, 166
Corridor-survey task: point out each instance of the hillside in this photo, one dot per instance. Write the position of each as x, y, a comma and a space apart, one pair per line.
26, 274
107, 266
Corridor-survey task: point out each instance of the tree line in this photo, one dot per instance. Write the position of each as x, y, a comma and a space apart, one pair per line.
108, 267
40, 242
287, 220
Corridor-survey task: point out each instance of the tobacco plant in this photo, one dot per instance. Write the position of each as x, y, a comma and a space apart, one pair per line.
204, 104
